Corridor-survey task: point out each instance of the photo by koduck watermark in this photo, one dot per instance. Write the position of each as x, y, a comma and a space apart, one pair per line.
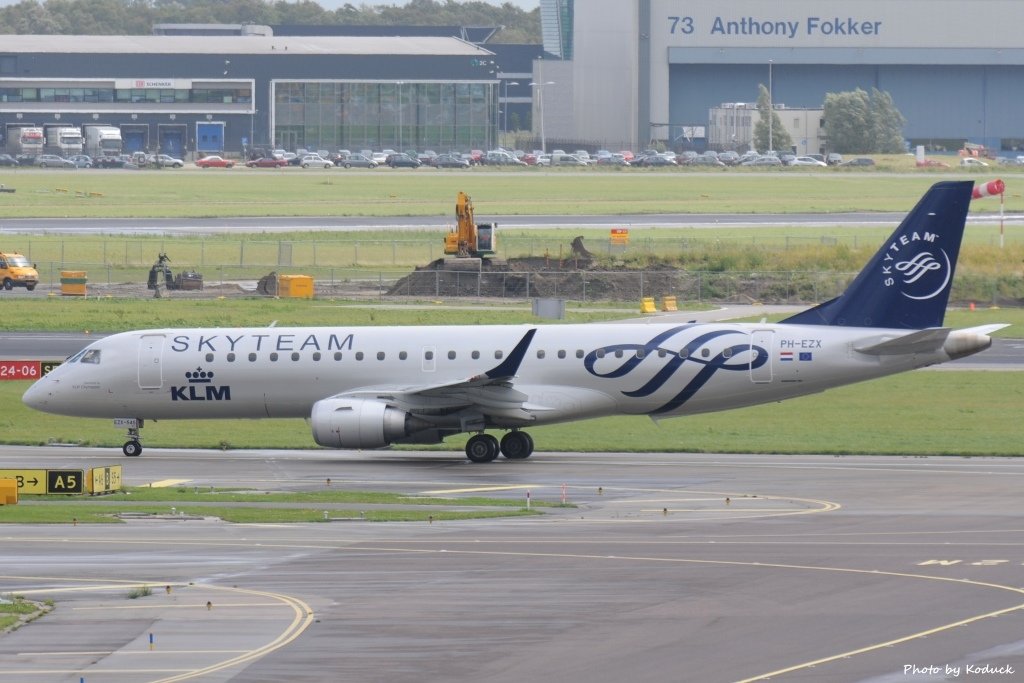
958, 670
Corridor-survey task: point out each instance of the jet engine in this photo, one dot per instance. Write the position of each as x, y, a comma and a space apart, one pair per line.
361, 423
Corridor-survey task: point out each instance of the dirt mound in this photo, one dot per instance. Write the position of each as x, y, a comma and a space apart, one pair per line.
530, 277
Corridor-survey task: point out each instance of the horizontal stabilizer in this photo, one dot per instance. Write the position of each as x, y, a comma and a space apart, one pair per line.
924, 341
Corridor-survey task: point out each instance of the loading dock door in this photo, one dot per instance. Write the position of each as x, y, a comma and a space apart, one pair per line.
210, 137
172, 140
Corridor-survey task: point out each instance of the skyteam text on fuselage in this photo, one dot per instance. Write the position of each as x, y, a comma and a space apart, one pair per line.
369, 387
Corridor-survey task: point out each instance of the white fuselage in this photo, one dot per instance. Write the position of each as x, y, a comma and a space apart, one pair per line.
568, 372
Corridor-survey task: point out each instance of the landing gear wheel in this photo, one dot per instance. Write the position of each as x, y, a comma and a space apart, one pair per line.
482, 448
132, 449
517, 445
8, 285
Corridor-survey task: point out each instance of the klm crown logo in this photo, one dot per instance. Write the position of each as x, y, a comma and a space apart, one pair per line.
200, 387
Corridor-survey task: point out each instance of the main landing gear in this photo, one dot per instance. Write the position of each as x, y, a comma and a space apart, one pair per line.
515, 445
133, 446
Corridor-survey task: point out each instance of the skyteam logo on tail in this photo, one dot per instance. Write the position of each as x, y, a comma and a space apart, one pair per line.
921, 275
200, 387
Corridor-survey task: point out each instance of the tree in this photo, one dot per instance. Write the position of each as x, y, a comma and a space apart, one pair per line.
776, 137
858, 123
888, 123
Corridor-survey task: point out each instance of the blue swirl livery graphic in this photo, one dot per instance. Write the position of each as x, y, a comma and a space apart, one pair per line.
677, 355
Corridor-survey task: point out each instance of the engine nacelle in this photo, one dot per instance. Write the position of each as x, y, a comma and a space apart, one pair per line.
360, 423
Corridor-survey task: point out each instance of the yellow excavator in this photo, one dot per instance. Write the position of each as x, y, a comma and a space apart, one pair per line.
468, 239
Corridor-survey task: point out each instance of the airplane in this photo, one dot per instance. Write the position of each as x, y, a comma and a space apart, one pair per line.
370, 387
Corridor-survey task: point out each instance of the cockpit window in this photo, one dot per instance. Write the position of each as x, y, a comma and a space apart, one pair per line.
91, 356
74, 358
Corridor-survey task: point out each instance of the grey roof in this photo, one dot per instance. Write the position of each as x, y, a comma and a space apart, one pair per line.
302, 45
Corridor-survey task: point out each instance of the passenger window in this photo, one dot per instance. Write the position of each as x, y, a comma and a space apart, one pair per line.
684, 352
499, 354
451, 355
209, 358
640, 353
252, 357
428, 355
295, 355
579, 353
402, 355
599, 353
561, 353
380, 355
475, 355
705, 353
273, 356
540, 353
91, 356
316, 355
231, 358
618, 353
727, 353
359, 355
662, 353
337, 355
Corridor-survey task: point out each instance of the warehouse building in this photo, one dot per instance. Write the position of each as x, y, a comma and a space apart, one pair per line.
181, 94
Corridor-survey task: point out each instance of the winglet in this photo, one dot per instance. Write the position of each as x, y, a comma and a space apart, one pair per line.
508, 368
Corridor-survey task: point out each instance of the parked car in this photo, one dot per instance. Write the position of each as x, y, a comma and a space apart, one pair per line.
729, 158
764, 160
167, 160
267, 162
450, 161
703, 160
971, 161
81, 161
656, 160
403, 161
8, 160
53, 161
358, 161
215, 161
834, 159
860, 161
806, 161
315, 160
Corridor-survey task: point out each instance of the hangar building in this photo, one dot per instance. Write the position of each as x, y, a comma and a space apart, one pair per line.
640, 70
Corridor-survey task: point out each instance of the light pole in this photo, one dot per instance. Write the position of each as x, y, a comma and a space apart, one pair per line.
507, 83
400, 116
540, 109
771, 108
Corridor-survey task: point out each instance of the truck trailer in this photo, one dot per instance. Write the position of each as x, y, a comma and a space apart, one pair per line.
102, 140
65, 141
25, 141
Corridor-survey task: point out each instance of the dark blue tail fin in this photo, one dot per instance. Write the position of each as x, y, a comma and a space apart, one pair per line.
906, 285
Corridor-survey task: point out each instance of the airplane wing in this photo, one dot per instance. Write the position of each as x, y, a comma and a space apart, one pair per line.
490, 392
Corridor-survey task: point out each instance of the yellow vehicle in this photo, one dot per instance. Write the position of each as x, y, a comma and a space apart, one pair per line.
469, 239
16, 271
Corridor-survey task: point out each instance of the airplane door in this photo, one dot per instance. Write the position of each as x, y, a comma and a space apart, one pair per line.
761, 342
429, 359
151, 351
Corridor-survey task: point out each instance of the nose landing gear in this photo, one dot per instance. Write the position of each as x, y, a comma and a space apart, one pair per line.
133, 446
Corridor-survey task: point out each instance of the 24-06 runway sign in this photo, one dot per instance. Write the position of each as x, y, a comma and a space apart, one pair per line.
25, 369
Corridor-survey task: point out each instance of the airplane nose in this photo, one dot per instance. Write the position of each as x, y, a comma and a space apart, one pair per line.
37, 395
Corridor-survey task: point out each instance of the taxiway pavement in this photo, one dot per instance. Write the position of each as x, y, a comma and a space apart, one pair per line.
671, 567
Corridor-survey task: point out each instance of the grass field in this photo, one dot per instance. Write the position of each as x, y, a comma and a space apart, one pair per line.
294, 192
